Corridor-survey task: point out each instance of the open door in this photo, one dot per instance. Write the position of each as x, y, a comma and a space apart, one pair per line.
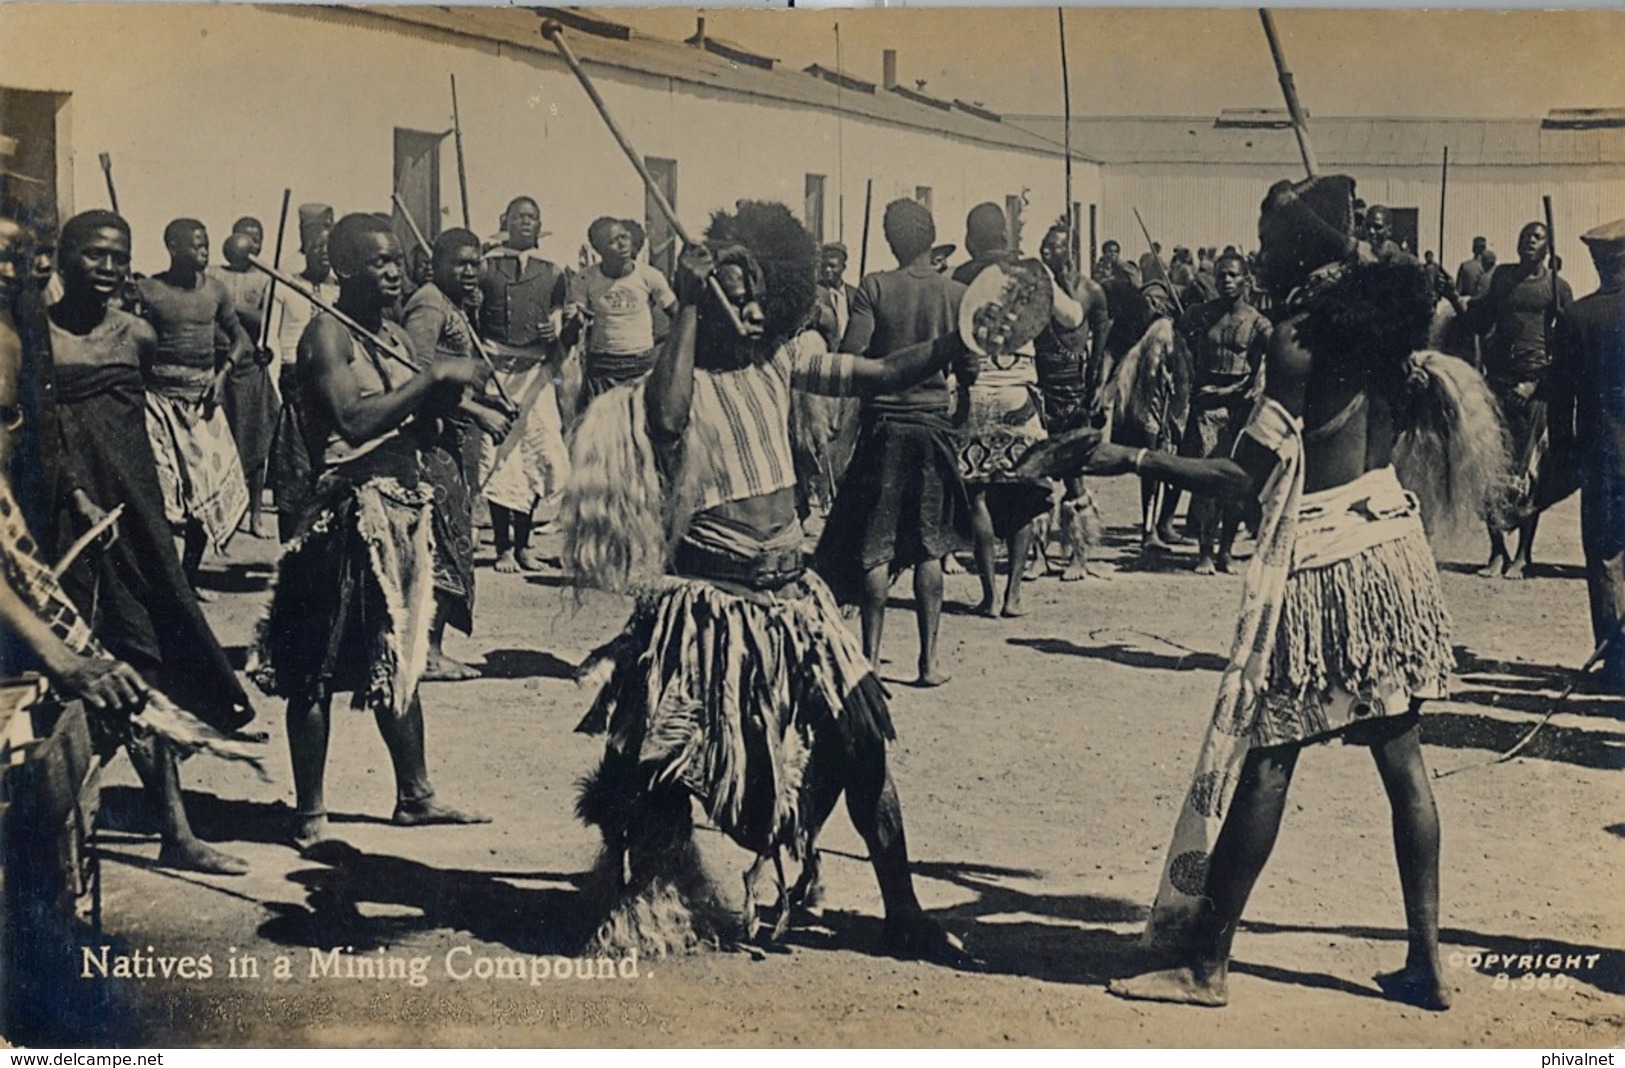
417, 180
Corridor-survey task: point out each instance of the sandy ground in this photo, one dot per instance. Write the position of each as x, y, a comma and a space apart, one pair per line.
1039, 790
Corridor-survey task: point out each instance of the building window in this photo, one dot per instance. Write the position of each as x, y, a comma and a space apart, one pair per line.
417, 181
1012, 216
922, 195
813, 209
662, 240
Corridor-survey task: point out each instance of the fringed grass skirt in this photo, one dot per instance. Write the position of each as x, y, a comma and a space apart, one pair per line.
1362, 634
728, 694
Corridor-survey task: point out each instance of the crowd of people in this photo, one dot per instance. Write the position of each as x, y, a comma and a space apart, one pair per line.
680, 431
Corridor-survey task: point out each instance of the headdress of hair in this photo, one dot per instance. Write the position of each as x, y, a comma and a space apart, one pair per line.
784, 253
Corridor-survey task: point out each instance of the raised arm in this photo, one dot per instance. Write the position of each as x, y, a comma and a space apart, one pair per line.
324, 356
840, 374
1237, 478
671, 383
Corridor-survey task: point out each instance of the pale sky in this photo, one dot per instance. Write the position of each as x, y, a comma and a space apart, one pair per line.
1470, 64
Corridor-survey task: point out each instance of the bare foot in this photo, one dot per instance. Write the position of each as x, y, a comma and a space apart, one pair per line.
309, 830
1177, 985
987, 609
1494, 569
442, 668
1516, 571
1168, 536
193, 855
930, 679
1037, 566
1013, 609
952, 566
1223, 563
531, 560
1204, 566
426, 811
1153, 543
1420, 987
506, 564
205, 596
918, 937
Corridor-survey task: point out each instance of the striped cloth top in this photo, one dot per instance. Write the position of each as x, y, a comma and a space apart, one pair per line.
750, 410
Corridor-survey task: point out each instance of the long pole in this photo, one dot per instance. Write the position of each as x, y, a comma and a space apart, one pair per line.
349, 323
863, 253
1066, 144
1155, 258
457, 140
840, 140
1300, 124
270, 291
555, 33
107, 172
1444, 185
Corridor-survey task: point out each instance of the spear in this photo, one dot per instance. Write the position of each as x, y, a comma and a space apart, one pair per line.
1066, 144
457, 140
554, 32
1444, 185
107, 172
863, 252
1166, 281
1300, 124
270, 291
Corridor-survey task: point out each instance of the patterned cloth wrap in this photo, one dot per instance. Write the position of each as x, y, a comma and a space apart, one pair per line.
1342, 624
199, 469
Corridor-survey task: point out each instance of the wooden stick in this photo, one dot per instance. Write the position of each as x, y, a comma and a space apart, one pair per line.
1300, 124
1179, 306
555, 33
107, 522
1444, 184
107, 172
1066, 143
457, 141
473, 335
270, 291
863, 252
350, 324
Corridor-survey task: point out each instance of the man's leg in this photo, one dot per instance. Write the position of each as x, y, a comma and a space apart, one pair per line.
876, 588
871, 801
1230, 525
308, 725
1416, 846
986, 549
193, 541
502, 532
1020, 543
928, 612
1524, 563
256, 495
440, 667
1238, 857
1500, 559
521, 540
156, 765
1165, 516
1202, 518
415, 804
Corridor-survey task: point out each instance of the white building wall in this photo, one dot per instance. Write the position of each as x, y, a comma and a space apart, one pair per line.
210, 111
1187, 204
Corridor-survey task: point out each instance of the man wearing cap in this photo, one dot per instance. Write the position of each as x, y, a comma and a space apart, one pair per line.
1588, 425
289, 473
834, 308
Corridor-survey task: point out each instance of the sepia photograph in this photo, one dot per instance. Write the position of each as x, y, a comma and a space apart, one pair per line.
841, 527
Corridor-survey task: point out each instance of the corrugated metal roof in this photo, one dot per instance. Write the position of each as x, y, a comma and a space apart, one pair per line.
1339, 142
521, 28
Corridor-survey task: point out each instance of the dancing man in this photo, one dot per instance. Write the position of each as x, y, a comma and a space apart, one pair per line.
1343, 630
782, 711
